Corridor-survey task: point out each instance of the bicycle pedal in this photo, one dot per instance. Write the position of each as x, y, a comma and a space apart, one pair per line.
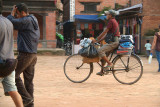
106, 72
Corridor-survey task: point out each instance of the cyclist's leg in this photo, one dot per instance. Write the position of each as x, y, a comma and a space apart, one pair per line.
106, 49
103, 62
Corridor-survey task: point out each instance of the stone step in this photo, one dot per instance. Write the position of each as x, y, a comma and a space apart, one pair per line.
48, 51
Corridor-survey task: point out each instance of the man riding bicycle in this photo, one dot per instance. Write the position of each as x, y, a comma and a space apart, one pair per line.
113, 31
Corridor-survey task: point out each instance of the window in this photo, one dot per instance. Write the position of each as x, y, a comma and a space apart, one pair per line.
90, 7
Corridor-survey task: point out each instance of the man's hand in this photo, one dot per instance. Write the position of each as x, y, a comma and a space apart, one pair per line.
14, 10
93, 40
151, 51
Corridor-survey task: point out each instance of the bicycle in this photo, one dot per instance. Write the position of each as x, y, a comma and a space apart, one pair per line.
68, 47
127, 69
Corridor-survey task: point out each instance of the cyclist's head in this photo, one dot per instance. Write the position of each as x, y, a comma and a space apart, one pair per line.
110, 14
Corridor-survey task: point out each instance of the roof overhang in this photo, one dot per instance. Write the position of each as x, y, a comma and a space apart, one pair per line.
89, 18
131, 10
35, 6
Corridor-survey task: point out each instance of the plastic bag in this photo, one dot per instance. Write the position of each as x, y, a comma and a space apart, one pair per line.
84, 51
89, 52
92, 52
85, 42
150, 58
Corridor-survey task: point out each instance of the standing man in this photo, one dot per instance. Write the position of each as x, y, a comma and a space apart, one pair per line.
113, 29
6, 51
28, 36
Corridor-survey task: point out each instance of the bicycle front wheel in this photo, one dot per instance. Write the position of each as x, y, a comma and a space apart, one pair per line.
77, 71
127, 69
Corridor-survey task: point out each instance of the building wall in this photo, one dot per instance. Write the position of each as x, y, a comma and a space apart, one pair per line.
40, 22
151, 13
151, 19
51, 29
150, 23
134, 2
122, 2
103, 3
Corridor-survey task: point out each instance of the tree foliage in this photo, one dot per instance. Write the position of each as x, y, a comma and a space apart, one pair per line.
104, 9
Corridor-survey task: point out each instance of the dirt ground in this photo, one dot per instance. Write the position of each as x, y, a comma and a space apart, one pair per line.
53, 89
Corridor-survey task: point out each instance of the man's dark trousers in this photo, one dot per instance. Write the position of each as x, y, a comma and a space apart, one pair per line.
26, 65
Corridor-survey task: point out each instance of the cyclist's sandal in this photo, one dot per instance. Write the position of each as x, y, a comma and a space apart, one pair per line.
100, 73
108, 66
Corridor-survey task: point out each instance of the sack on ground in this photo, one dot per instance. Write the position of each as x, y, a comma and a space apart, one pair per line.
89, 52
7, 67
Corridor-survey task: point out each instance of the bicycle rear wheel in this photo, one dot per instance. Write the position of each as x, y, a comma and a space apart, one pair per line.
127, 70
77, 71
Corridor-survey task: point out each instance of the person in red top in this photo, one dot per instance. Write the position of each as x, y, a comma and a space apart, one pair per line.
113, 29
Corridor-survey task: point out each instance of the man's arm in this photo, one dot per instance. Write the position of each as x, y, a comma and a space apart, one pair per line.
104, 33
101, 36
154, 43
17, 23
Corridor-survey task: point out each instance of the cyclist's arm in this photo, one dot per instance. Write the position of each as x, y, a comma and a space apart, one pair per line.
102, 35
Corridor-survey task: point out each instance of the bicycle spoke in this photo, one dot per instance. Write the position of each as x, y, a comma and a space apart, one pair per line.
85, 68
135, 64
134, 68
130, 69
75, 70
123, 62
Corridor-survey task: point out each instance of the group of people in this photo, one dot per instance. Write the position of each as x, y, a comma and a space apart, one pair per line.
27, 41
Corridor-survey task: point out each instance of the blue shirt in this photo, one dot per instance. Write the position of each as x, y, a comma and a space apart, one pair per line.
28, 33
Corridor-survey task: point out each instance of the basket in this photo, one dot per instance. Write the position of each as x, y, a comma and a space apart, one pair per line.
90, 60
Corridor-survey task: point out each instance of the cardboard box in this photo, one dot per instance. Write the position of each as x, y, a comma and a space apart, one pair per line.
89, 60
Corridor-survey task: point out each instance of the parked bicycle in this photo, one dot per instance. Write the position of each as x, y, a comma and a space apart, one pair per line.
127, 69
68, 47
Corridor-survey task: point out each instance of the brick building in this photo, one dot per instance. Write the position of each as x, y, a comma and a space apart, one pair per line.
87, 22
86, 15
151, 15
81, 5
141, 16
44, 10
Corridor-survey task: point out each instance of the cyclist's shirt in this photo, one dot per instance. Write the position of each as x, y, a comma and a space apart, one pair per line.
112, 26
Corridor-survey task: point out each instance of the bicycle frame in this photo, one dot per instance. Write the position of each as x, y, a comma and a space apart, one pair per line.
121, 63
126, 66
